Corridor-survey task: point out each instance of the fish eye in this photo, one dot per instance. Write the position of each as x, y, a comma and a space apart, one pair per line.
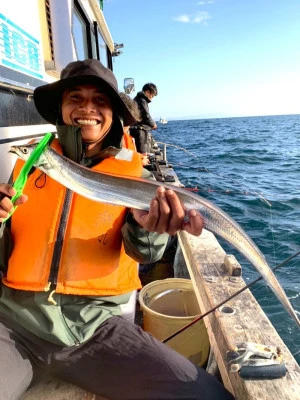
25, 150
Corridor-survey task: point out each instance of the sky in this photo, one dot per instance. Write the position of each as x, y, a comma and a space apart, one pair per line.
210, 58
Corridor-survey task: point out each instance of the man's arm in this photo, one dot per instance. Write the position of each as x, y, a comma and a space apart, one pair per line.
143, 246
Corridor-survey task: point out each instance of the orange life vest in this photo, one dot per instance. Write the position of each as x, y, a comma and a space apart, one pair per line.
128, 142
92, 259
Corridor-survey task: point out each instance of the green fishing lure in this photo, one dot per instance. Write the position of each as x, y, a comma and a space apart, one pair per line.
21, 180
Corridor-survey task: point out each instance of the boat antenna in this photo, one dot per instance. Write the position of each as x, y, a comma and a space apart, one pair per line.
229, 298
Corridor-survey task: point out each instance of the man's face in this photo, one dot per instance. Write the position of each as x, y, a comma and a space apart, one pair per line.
86, 106
149, 94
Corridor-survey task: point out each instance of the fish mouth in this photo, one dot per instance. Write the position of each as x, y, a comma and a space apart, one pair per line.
13, 150
87, 121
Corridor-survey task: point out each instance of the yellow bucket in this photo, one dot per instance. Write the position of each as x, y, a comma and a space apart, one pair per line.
167, 306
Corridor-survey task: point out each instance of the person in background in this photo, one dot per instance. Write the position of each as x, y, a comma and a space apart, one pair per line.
134, 109
68, 263
141, 131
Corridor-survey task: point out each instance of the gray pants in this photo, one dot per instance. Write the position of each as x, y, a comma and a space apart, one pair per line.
120, 362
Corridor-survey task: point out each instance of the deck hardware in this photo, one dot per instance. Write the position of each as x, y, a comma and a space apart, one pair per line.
235, 279
227, 310
256, 361
232, 265
169, 178
211, 279
234, 368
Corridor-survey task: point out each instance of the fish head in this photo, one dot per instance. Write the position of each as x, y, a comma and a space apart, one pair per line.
25, 151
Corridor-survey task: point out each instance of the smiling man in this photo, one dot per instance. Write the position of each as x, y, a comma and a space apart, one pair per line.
68, 263
89, 108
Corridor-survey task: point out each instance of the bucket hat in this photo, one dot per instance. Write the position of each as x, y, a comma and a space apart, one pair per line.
47, 98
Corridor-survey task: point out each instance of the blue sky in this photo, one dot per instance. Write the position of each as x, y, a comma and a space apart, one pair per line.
210, 59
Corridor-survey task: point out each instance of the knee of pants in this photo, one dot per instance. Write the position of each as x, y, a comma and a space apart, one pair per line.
16, 370
15, 377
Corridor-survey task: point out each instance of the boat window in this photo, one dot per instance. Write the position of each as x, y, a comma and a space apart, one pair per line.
102, 50
83, 32
80, 36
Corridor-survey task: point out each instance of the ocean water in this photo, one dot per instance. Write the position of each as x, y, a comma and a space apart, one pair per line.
250, 167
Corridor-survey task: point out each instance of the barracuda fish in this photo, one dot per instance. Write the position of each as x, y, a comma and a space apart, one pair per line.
137, 193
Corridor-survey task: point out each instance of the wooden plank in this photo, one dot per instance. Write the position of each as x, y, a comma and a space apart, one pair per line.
205, 261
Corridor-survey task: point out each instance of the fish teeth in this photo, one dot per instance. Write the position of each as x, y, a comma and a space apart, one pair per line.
87, 122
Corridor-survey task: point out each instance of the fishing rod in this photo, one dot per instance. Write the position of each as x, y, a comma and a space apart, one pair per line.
229, 298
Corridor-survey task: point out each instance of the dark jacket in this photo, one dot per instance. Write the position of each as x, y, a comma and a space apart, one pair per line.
146, 122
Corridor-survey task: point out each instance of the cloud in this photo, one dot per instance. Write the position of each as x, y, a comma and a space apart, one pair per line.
199, 18
202, 17
182, 18
203, 3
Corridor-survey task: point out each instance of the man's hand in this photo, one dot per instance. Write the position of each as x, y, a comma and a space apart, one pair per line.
145, 159
166, 214
6, 206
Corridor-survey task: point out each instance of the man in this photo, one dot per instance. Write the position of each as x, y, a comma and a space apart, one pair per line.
141, 130
134, 109
68, 263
